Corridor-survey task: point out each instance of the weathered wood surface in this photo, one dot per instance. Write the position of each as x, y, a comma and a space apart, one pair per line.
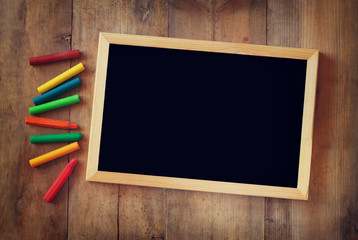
84, 210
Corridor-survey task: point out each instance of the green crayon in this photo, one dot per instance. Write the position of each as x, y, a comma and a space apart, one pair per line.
65, 137
63, 102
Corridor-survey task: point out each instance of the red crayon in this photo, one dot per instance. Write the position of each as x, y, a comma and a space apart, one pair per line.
61, 179
54, 57
48, 122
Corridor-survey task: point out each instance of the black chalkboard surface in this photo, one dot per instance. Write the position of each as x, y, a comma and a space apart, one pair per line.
205, 112
178, 113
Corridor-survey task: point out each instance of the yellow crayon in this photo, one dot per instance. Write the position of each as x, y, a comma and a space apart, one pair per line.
54, 154
61, 78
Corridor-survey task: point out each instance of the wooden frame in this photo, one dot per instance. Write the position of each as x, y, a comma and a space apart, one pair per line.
301, 192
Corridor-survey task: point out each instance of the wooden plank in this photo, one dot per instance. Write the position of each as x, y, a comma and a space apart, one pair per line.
142, 211
282, 30
333, 193
93, 207
240, 21
283, 23
30, 30
144, 17
347, 71
191, 19
140, 17
199, 215
330, 212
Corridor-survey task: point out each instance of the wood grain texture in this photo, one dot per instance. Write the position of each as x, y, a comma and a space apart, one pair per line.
240, 21
334, 156
282, 30
195, 215
191, 19
331, 198
85, 210
283, 23
200, 215
28, 29
142, 211
84, 220
144, 17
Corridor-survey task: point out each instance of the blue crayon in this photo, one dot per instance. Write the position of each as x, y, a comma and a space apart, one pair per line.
57, 91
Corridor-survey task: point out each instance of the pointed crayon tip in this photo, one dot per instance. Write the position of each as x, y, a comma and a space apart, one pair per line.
72, 125
73, 162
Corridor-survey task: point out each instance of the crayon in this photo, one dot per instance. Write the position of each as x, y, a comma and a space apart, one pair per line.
64, 137
48, 122
57, 91
54, 154
63, 102
54, 57
61, 78
60, 180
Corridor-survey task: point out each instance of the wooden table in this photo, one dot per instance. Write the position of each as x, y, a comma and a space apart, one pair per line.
84, 210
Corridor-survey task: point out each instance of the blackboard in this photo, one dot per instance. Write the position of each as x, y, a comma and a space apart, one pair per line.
202, 115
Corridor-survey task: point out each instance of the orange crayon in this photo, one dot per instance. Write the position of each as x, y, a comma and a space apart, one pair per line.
48, 122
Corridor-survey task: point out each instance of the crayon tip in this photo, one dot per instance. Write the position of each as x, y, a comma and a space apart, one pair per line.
47, 199
72, 125
73, 162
